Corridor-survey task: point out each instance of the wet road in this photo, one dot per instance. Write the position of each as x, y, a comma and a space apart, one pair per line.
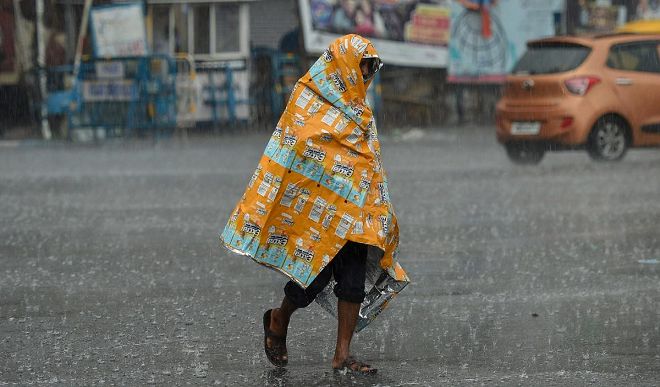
110, 272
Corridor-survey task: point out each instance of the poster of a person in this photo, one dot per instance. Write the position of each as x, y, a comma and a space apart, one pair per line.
372, 18
409, 32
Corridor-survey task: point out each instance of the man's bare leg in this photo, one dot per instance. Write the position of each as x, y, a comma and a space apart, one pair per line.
347, 320
279, 321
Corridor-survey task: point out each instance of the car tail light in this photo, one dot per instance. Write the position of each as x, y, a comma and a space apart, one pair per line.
581, 85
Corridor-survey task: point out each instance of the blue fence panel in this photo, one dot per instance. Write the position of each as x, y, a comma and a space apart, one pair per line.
221, 93
125, 96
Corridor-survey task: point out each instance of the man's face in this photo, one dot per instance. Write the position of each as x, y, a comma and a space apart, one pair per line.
368, 67
364, 67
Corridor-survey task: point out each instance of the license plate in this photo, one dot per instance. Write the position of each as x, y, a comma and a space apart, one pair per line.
533, 127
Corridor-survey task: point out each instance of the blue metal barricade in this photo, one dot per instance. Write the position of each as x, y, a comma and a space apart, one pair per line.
286, 71
220, 93
125, 96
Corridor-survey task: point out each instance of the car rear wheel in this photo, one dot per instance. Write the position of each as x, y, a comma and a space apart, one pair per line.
525, 153
608, 140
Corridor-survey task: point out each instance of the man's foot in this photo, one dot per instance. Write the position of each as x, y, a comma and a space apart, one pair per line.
352, 365
275, 340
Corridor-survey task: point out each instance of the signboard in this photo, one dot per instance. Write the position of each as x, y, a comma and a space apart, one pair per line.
109, 70
405, 32
486, 53
109, 90
118, 30
600, 18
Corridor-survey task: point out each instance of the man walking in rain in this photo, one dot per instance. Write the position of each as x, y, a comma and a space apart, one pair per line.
317, 208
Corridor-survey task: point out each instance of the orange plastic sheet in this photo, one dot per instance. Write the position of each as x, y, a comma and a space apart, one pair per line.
321, 183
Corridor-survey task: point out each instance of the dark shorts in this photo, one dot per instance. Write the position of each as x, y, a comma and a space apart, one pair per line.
349, 270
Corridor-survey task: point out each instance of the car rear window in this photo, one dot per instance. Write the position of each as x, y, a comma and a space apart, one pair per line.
549, 58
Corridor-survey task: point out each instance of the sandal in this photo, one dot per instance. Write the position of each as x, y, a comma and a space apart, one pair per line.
277, 354
354, 366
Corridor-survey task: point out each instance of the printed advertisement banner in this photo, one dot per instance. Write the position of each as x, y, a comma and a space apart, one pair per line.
488, 37
119, 30
604, 18
405, 32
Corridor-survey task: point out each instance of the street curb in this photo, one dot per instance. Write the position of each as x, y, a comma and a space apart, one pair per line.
10, 143
33, 143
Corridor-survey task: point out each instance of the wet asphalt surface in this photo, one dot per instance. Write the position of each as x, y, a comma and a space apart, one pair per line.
110, 270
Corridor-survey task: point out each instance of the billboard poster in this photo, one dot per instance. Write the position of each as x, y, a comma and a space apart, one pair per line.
8, 60
118, 30
405, 32
600, 18
488, 36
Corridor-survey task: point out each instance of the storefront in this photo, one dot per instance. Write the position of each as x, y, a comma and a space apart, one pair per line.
216, 36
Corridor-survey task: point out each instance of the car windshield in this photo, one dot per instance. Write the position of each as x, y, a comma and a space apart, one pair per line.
551, 58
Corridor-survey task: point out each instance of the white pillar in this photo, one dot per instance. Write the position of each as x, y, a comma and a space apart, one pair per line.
41, 63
